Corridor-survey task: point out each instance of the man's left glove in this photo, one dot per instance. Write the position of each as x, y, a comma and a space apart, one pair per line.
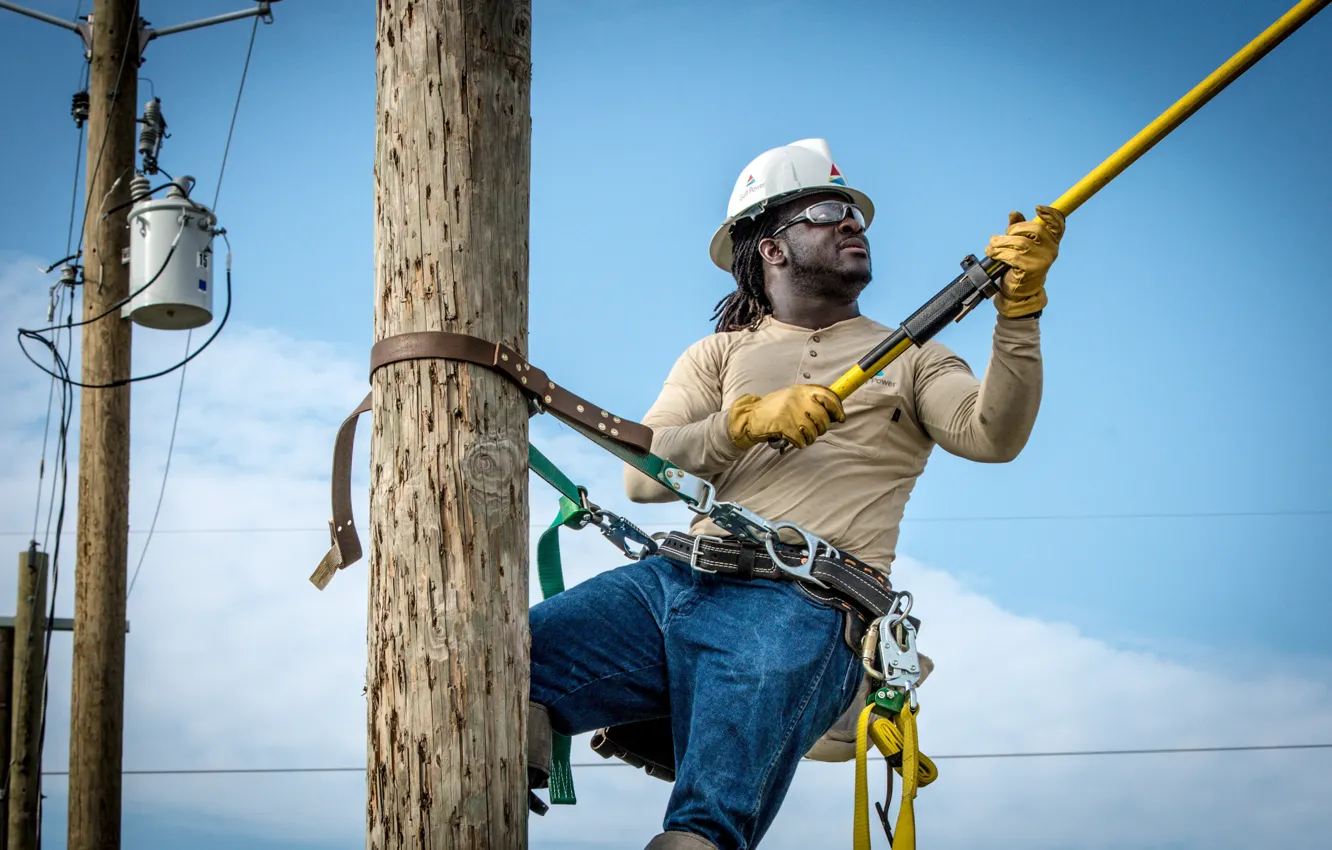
799, 414
1030, 248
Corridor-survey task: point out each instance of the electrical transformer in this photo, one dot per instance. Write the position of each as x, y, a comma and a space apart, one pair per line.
171, 261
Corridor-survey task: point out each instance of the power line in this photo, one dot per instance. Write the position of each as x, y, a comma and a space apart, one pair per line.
59, 291
180, 389
219, 771
1143, 515
130, 39
78, 159
1315, 512
166, 471
235, 109
46, 428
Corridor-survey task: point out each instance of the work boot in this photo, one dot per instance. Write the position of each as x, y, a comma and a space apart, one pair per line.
674, 840
538, 754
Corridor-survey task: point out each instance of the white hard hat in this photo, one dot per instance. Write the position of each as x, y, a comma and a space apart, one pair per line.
778, 175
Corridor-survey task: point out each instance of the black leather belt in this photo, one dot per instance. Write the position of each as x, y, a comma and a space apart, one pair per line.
852, 585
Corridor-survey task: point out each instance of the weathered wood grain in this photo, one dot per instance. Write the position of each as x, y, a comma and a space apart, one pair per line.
447, 629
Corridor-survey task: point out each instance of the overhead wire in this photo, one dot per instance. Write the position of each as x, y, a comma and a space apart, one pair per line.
217, 771
217, 191
1312, 512
132, 31
56, 302
58, 291
180, 389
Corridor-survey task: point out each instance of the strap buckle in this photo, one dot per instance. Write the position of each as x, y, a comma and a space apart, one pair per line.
698, 494
696, 549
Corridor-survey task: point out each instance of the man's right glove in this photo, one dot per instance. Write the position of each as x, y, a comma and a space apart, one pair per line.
1030, 248
799, 414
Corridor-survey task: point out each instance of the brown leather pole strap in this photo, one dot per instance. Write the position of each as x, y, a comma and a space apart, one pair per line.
346, 548
346, 545
506, 361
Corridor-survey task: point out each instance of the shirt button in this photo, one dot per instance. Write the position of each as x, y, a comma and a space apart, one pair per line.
813, 353
816, 337
806, 376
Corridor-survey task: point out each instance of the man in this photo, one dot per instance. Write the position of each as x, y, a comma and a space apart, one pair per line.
752, 672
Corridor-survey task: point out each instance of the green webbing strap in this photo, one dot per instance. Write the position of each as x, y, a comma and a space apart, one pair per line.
561, 772
550, 572
652, 466
542, 466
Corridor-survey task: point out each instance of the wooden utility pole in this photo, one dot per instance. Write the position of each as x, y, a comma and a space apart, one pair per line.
447, 630
25, 765
98, 690
6, 721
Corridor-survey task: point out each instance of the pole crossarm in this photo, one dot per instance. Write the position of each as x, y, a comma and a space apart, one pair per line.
80, 28
56, 624
146, 34
264, 8
72, 26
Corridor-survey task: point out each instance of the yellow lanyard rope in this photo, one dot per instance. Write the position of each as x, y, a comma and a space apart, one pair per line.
891, 737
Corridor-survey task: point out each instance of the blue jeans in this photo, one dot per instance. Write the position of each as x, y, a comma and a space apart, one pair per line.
751, 673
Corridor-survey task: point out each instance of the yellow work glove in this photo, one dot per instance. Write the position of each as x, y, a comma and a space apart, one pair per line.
799, 414
1030, 247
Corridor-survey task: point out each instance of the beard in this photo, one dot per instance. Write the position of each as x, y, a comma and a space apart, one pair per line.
839, 279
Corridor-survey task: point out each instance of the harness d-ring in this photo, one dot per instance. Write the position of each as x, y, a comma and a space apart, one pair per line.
804, 571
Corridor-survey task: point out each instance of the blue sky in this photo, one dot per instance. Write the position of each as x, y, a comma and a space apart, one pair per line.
1184, 340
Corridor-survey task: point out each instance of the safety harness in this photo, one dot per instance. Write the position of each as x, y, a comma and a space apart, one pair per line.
877, 616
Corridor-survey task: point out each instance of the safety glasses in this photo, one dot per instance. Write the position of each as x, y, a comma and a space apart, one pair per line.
826, 212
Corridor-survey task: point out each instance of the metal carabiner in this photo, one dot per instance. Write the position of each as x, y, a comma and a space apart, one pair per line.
869, 645
894, 616
741, 522
629, 538
901, 662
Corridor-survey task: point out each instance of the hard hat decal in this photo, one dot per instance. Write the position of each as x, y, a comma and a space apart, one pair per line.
750, 181
836, 176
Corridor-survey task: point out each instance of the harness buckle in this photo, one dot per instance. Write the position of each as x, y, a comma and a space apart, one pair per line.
696, 549
698, 495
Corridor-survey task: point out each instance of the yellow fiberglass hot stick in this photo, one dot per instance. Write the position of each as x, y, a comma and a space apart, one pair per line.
978, 280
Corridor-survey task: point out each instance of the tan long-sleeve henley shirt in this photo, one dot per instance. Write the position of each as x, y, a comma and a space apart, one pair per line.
851, 486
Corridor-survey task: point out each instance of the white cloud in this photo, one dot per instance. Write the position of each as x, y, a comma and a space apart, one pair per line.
236, 660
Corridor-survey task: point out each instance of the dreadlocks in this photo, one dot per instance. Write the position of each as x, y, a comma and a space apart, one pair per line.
744, 308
